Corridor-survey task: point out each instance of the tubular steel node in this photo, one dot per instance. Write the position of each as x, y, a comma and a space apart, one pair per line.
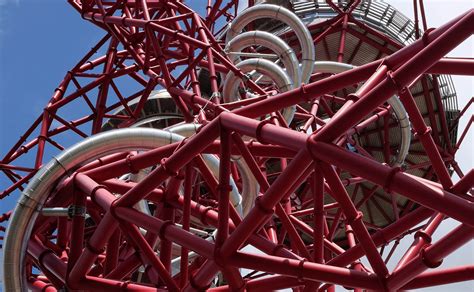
284, 144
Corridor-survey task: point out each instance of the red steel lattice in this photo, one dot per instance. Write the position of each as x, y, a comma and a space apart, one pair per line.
289, 167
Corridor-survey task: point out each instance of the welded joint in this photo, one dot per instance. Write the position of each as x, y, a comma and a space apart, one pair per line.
47, 287
427, 261
94, 191
195, 82
301, 270
123, 286
60, 89
26, 201
424, 133
203, 217
311, 142
167, 169
130, 165
354, 264
196, 287
146, 27
162, 230
388, 180
425, 236
304, 92
356, 218
44, 253
93, 15
24, 149
395, 82
84, 11
349, 231
277, 248
286, 53
66, 170
258, 131
425, 36
41, 136
354, 97
91, 64
94, 250
192, 99
261, 208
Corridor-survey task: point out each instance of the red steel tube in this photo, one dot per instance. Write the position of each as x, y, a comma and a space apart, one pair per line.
426, 139
330, 84
354, 218
406, 65
431, 256
169, 231
434, 198
48, 260
441, 277
148, 256
453, 66
264, 207
465, 184
318, 213
178, 159
422, 238
306, 270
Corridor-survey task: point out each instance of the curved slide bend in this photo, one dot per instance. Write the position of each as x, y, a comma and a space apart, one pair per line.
237, 41
38, 190
286, 16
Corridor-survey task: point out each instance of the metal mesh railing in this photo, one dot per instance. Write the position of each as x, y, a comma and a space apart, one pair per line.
385, 18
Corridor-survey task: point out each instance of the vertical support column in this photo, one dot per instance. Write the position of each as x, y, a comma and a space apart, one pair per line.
223, 189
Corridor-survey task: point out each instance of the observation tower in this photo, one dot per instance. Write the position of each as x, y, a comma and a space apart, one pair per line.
249, 145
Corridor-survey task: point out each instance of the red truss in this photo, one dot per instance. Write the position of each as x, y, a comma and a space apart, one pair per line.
290, 185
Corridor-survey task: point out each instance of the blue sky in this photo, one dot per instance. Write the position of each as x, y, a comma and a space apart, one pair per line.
39, 42
41, 39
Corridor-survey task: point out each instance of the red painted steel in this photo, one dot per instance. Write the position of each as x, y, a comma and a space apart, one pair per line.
313, 219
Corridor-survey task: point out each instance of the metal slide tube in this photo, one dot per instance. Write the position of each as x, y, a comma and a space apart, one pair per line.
313, 184
268, 40
404, 55
230, 90
33, 197
38, 189
289, 18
